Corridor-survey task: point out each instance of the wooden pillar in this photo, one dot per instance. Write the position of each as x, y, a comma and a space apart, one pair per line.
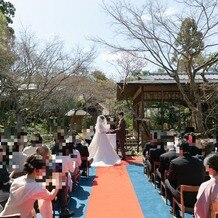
142, 114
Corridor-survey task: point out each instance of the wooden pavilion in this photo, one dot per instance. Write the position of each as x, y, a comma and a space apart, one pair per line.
154, 87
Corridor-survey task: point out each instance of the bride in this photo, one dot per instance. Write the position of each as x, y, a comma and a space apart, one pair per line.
100, 148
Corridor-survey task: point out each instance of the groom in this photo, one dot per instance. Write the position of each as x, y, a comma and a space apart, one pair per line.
121, 134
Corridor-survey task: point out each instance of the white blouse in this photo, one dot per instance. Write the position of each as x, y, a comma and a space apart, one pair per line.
23, 193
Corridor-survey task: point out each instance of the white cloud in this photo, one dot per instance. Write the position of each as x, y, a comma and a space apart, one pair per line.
170, 11
107, 56
145, 17
50, 36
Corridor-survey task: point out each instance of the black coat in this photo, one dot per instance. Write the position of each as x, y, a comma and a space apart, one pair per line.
4, 178
84, 152
165, 160
186, 170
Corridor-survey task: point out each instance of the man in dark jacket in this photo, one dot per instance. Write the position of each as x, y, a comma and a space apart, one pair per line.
84, 152
165, 160
184, 170
121, 134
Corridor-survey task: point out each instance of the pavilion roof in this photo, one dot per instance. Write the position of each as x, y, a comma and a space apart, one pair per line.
156, 82
165, 78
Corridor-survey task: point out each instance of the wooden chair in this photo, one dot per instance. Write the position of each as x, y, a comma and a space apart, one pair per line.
156, 164
214, 209
181, 204
163, 186
75, 179
17, 215
86, 168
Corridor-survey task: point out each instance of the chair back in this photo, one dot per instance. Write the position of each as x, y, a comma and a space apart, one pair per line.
214, 209
87, 165
17, 215
187, 188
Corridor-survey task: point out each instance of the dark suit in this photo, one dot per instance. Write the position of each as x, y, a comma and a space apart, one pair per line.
194, 151
154, 155
121, 135
185, 170
165, 160
84, 152
4, 178
147, 148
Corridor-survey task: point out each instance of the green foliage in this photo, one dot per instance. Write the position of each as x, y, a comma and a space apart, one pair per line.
190, 44
3, 32
8, 10
124, 106
189, 38
99, 75
138, 73
87, 122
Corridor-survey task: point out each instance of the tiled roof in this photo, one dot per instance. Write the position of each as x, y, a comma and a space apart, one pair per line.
165, 78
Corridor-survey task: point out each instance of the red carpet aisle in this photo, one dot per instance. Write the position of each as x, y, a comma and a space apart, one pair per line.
113, 195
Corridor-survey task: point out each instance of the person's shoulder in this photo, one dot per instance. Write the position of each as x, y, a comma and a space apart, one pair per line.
196, 159
206, 185
166, 154
177, 160
27, 148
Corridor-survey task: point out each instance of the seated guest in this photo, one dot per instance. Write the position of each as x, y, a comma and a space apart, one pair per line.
25, 190
154, 155
165, 160
208, 191
84, 152
68, 166
194, 150
18, 157
184, 170
36, 141
208, 149
5, 180
51, 175
75, 157
147, 148
74, 153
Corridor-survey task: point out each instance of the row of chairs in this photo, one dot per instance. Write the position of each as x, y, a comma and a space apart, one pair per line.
76, 177
183, 190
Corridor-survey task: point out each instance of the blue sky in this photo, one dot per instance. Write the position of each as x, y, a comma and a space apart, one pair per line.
73, 21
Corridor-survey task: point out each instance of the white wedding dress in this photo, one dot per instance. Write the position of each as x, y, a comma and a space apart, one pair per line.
100, 148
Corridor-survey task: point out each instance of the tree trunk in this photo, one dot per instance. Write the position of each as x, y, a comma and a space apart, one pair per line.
20, 121
199, 121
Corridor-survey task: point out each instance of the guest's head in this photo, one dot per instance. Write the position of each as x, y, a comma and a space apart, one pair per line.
78, 140
184, 147
211, 164
44, 151
34, 164
36, 139
209, 147
19, 144
120, 115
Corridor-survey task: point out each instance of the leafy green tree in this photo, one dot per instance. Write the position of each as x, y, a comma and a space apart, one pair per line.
8, 10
